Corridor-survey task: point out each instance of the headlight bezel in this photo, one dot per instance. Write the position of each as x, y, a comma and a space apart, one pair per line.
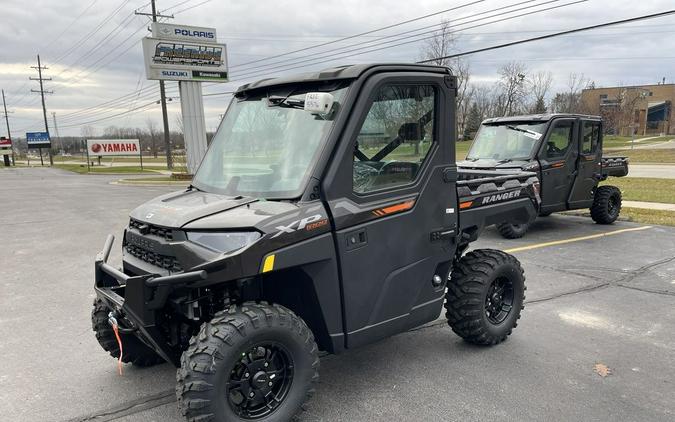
223, 242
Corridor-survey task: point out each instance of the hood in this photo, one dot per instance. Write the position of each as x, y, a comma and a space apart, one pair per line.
489, 163
179, 208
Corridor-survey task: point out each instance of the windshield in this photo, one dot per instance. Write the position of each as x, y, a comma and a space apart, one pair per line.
266, 146
506, 141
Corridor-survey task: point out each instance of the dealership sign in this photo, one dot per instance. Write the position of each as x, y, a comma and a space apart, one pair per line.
169, 31
103, 147
184, 53
5, 146
38, 140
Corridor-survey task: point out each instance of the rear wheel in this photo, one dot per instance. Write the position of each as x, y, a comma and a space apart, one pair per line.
135, 351
606, 205
486, 293
512, 231
254, 362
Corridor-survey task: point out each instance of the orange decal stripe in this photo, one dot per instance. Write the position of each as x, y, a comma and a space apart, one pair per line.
464, 205
403, 206
398, 207
558, 165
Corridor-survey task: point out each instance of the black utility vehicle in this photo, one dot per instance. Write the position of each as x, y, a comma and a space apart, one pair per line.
327, 213
565, 150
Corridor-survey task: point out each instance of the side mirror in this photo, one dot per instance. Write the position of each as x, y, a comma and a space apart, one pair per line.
411, 132
319, 102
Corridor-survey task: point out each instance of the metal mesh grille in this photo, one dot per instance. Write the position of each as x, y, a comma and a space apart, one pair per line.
167, 262
153, 230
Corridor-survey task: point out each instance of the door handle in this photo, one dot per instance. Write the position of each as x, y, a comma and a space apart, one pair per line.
356, 239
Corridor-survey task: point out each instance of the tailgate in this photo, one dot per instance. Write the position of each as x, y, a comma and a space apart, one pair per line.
614, 166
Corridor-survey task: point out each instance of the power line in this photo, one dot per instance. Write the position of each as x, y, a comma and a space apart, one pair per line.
58, 37
411, 38
91, 33
555, 34
516, 4
364, 33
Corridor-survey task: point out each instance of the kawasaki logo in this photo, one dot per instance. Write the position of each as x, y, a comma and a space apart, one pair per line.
501, 196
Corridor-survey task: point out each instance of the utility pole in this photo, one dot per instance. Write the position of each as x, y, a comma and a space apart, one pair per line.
9, 133
56, 129
162, 92
42, 92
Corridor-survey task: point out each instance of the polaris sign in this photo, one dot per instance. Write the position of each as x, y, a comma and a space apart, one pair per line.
168, 31
184, 53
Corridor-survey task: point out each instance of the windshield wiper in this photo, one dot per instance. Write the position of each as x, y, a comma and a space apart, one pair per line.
520, 129
279, 101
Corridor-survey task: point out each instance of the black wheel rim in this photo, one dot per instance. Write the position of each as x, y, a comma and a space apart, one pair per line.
612, 206
260, 380
499, 300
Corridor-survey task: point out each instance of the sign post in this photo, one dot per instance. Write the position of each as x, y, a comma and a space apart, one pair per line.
38, 140
189, 55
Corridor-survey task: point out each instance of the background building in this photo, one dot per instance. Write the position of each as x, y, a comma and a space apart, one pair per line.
627, 110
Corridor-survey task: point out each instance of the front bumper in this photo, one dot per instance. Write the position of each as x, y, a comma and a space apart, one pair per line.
137, 299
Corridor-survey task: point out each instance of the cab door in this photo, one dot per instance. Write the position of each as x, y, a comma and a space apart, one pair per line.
393, 210
588, 165
558, 161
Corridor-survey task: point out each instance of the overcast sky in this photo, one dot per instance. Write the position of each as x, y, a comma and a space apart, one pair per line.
93, 51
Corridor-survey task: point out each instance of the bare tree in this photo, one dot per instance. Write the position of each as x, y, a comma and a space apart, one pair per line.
444, 42
87, 132
512, 83
539, 85
152, 131
569, 101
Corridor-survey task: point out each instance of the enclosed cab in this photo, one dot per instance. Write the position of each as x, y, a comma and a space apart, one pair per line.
565, 150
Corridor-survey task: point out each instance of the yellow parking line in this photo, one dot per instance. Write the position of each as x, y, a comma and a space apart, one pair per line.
574, 239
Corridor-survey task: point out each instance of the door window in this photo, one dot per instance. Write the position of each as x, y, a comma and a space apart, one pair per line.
395, 138
559, 140
591, 137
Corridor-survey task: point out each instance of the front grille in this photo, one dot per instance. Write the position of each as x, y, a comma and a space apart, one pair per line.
163, 261
162, 232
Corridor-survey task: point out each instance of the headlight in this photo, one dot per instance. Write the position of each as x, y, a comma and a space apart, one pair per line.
224, 242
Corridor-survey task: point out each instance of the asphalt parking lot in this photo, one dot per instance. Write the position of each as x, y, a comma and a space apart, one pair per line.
598, 297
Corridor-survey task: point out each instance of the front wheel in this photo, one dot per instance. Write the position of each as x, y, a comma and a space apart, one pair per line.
486, 293
254, 362
135, 351
606, 205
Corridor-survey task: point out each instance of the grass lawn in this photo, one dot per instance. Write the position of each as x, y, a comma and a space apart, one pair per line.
82, 169
461, 148
613, 141
639, 215
646, 155
644, 189
131, 159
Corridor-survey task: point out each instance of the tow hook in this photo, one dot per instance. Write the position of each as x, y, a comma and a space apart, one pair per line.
113, 322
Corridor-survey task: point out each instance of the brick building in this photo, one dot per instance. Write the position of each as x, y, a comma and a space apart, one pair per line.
642, 110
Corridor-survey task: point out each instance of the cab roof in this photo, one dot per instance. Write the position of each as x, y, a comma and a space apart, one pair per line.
341, 73
540, 118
